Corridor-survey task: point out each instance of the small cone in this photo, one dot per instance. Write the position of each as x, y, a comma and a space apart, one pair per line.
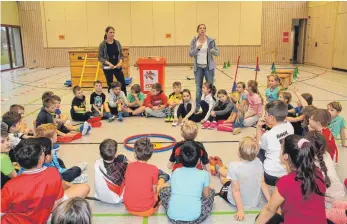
273, 70
225, 65
273, 65
229, 64
296, 73
233, 89
257, 68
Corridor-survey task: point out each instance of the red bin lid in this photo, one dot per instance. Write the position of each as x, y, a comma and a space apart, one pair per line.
151, 60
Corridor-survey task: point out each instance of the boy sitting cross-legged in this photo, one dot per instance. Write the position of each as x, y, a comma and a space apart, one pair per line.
156, 102
24, 127
30, 197
97, 102
117, 100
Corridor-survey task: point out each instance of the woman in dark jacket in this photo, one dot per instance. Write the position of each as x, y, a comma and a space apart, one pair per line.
111, 57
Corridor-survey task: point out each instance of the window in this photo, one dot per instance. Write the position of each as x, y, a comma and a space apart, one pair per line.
11, 48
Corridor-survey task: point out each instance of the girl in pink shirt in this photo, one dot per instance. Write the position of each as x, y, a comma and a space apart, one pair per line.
255, 104
300, 193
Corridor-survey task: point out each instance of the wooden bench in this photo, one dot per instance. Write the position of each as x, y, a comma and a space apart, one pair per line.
286, 77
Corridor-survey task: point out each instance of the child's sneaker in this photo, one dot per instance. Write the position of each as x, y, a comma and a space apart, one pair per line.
218, 161
64, 139
206, 125
94, 119
213, 125
96, 124
112, 118
84, 128
174, 123
56, 147
77, 136
223, 127
236, 131
83, 178
167, 119
83, 166
171, 119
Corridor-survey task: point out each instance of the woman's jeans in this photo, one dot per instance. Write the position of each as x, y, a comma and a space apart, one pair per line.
199, 75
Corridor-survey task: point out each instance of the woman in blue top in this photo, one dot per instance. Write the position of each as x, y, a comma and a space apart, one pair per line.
203, 48
189, 199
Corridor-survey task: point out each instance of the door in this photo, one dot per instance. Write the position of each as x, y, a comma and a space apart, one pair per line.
11, 48
301, 41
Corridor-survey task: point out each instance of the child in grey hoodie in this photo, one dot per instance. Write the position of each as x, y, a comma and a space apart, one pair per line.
117, 100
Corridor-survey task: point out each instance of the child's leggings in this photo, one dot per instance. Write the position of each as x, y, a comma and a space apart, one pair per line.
81, 116
206, 206
250, 121
198, 117
182, 111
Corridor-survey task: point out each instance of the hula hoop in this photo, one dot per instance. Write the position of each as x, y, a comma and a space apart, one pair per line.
161, 149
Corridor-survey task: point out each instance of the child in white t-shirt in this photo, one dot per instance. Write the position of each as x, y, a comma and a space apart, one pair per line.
270, 142
244, 180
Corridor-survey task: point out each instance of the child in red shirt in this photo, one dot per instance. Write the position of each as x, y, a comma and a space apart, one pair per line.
319, 121
156, 102
189, 131
31, 196
300, 193
141, 181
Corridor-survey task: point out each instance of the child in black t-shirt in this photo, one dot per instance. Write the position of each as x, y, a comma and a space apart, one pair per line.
97, 102
286, 97
79, 111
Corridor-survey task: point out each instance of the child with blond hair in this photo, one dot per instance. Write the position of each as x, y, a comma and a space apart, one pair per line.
174, 99
337, 124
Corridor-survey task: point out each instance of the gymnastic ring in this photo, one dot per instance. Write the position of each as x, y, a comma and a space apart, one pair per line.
152, 135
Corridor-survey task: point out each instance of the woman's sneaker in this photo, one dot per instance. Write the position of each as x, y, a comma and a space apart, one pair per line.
83, 178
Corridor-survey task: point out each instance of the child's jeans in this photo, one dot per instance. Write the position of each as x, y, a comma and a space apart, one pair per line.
156, 113
206, 206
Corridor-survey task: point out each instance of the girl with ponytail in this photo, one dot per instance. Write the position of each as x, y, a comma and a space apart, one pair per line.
255, 104
207, 102
300, 193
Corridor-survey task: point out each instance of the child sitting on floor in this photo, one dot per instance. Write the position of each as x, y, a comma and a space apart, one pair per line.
156, 102
97, 101
235, 121
286, 97
141, 181
41, 188
255, 104
207, 102
72, 211
117, 100
270, 141
112, 166
174, 99
337, 123
79, 110
319, 121
7, 169
136, 100
243, 181
189, 199
239, 96
185, 109
47, 94
221, 110
300, 193
189, 131
73, 174
273, 89
24, 127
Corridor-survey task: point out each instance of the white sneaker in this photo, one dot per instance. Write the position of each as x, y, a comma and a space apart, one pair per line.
83, 166
81, 179
85, 128
174, 124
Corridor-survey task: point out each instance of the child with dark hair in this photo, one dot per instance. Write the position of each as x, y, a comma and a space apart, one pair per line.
206, 104
6, 167
189, 131
270, 141
79, 110
221, 110
174, 99
97, 101
304, 100
47, 94
72, 211
185, 109
117, 100
337, 124
143, 181
189, 199
41, 188
13, 121
319, 121
300, 193
243, 181
136, 100
286, 97
24, 127
156, 102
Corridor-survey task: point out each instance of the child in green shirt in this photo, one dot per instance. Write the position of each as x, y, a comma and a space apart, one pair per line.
7, 169
135, 101
337, 123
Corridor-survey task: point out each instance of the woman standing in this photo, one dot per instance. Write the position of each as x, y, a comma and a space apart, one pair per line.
111, 57
202, 48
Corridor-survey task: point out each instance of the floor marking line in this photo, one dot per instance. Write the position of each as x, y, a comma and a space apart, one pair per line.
164, 214
121, 143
